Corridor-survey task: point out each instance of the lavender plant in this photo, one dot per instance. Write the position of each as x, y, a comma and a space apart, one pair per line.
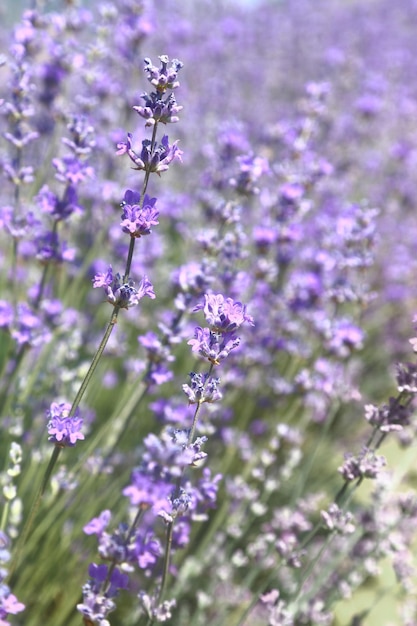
235, 448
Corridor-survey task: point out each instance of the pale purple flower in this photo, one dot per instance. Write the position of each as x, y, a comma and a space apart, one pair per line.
224, 315
124, 295
63, 430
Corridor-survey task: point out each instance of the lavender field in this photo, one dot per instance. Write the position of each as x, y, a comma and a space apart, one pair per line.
208, 313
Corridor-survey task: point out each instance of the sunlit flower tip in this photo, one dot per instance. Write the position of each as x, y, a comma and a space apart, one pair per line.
164, 77
223, 315
63, 430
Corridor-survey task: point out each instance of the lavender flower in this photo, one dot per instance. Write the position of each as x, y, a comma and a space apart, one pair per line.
203, 388
165, 77
158, 110
9, 604
214, 347
123, 295
137, 218
151, 159
63, 430
97, 603
223, 314
367, 464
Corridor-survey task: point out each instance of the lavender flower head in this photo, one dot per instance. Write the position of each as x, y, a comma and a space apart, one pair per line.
158, 109
138, 218
97, 604
165, 77
122, 294
223, 315
156, 160
63, 430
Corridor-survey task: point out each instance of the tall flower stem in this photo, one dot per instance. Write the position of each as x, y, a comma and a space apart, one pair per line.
95, 361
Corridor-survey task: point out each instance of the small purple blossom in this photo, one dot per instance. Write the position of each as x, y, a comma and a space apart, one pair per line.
213, 346
147, 491
62, 429
123, 295
138, 220
71, 170
29, 327
164, 77
146, 551
367, 464
98, 524
158, 110
202, 388
208, 487
9, 604
59, 209
156, 159
159, 355
52, 250
99, 591
6, 314
223, 315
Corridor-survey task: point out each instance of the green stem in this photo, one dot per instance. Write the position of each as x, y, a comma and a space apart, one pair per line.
94, 362
167, 561
129, 259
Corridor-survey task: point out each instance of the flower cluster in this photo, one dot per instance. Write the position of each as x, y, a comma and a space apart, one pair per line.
63, 429
224, 317
123, 294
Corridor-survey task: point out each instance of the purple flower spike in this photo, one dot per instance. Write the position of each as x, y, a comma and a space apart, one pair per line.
157, 160
165, 77
158, 110
138, 220
97, 602
123, 295
223, 315
214, 347
202, 388
63, 430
